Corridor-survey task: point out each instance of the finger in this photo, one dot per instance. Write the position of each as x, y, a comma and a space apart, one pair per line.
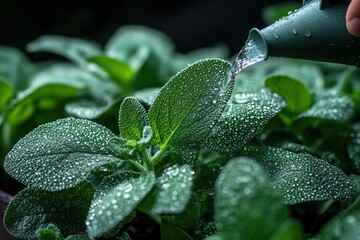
353, 18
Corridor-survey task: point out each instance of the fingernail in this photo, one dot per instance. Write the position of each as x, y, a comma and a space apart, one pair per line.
353, 26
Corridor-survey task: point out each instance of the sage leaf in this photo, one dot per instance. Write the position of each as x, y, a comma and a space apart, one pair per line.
77, 237
170, 231
118, 70
171, 192
295, 93
15, 67
6, 92
245, 202
110, 208
343, 226
49, 232
76, 50
91, 108
32, 209
244, 117
57, 83
132, 119
301, 177
60, 154
331, 107
353, 146
126, 40
146, 96
190, 104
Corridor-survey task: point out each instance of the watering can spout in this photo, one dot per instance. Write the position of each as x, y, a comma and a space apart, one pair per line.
316, 31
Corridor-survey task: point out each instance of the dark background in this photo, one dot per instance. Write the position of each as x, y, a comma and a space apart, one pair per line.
191, 24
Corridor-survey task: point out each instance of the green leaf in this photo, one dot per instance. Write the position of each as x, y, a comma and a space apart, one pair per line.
146, 96
170, 231
171, 193
111, 207
309, 74
331, 107
273, 13
295, 93
77, 237
54, 84
290, 229
344, 226
126, 40
190, 104
6, 92
145, 50
32, 209
15, 67
214, 237
301, 177
132, 119
117, 69
76, 50
353, 146
244, 117
92, 108
245, 202
60, 154
181, 61
51, 232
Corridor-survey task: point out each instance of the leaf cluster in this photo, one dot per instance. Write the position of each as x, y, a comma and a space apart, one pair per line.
271, 154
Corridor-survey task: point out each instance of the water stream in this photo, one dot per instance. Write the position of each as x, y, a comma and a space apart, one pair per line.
250, 54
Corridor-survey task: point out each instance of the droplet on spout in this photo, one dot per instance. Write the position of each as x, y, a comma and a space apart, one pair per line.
308, 34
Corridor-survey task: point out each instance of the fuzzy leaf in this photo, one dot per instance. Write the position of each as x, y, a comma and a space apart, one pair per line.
77, 237
244, 117
147, 96
31, 209
109, 208
60, 154
353, 146
15, 67
132, 119
6, 92
119, 70
294, 92
301, 177
51, 232
172, 191
56, 83
245, 202
343, 226
189, 105
128, 39
76, 50
332, 107
170, 231
92, 108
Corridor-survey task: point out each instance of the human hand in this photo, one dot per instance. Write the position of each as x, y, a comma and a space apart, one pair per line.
353, 18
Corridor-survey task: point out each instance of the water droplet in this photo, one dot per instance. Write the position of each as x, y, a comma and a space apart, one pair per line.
308, 34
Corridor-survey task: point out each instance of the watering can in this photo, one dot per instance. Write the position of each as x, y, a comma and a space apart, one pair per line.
316, 31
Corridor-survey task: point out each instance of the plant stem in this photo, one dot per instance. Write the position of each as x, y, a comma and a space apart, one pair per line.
146, 158
157, 157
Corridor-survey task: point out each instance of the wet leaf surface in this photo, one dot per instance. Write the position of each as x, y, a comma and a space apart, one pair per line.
189, 105
109, 208
245, 202
60, 154
31, 209
132, 119
301, 177
171, 192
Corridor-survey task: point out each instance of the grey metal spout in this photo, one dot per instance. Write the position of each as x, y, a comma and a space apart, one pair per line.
316, 31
